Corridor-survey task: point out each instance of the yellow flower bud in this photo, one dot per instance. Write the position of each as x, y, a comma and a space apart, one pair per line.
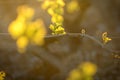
22, 43
25, 11
16, 29
72, 6
61, 2
75, 75
88, 68
105, 38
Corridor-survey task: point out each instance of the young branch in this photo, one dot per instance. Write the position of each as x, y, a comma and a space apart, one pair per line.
78, 35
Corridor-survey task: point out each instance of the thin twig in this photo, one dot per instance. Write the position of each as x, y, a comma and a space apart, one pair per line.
86, 36
76, 35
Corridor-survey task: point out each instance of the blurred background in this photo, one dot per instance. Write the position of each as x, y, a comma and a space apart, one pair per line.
59, 55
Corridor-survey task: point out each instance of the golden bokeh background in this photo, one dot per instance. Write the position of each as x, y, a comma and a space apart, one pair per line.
60, 57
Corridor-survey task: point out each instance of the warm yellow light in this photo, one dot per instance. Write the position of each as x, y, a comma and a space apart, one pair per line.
2, 75
75, 75
88, 68
83, 72
72, 6
25, 11
16, 28
22, 43
25, 31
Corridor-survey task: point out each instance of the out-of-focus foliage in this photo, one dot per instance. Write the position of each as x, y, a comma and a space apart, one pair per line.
105, 38
2, 75
24, 30
56, 11
85, 71
72, 6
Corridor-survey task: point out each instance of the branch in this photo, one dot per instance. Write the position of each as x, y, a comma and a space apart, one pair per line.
85, 36
78, 35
